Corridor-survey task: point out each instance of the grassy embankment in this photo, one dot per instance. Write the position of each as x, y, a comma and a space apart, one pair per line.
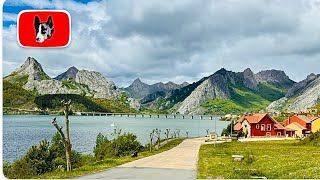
271, 159
97, 166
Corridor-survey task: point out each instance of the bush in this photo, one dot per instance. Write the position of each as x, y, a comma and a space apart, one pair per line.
39, 158
102, 148
42, 158
122, 145
125, 144
18, 170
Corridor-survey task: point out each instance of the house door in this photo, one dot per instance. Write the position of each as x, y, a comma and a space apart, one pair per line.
268, 134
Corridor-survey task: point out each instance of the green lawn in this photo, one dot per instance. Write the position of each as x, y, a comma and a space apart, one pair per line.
272, 159
105, 164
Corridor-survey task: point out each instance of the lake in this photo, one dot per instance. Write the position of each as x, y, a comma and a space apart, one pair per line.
20, 132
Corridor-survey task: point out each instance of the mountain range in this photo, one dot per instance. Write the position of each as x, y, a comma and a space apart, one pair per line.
222, 92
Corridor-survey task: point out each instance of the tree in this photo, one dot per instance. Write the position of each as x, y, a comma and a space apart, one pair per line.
167, 134
151, 139
65, 137
158, 131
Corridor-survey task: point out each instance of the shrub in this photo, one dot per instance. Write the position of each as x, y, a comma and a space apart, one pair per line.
125, 144
18, 170
121, 145
39, 158
102, 147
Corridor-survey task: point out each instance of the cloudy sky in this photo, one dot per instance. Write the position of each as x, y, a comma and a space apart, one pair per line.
176, 40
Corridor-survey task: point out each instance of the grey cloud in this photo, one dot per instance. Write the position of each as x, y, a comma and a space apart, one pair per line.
181, 40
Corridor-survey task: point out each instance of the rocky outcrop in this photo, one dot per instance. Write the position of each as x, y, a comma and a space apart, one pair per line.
249, 79
31, 68
70, 74
300, 96
215, 86
275, 77
98, 84
307, 98
133, 103
277, 106
50, 87
298, 87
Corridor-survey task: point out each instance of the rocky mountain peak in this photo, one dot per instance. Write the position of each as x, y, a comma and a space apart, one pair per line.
249, 79
184, 84
32, 68
277, 77
69, 74
137, 81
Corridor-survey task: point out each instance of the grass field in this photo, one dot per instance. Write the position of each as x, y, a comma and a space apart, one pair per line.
105, 164
271, 159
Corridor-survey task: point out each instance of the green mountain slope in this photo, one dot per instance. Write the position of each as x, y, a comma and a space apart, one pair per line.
244, 100
15, 97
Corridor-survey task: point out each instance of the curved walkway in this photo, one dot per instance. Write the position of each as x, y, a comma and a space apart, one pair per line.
179, 162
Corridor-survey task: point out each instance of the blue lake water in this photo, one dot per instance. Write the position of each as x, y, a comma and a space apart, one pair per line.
20, 132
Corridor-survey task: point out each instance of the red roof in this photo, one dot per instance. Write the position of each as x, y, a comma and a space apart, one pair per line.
304, 118
297, 124
254, 118
237, 127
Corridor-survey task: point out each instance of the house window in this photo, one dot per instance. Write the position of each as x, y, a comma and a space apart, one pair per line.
262, 127
268, 134
268, 127
278, 133
257, 126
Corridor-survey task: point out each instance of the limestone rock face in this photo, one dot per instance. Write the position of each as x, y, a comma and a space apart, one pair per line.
214, 87
32, 68
249, 79
274, 77
307, 98
296, 88
276, 106
98, 84
134, 104
50, 87
301, 96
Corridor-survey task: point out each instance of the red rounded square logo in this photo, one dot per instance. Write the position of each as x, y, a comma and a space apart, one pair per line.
44, 28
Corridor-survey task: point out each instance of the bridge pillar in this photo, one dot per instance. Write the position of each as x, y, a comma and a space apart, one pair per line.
191, 117
158, 116
182, 116
150, 115
200, 117
210, 117
128, 115
135, 115
120, 115
166, 116
142, 115
174, 116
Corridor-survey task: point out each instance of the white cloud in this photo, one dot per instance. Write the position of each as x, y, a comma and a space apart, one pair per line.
9, 17
180, 40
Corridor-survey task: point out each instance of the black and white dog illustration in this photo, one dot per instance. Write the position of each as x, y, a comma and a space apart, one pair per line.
44, 30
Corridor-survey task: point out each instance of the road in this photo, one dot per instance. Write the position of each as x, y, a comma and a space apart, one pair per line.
179, 162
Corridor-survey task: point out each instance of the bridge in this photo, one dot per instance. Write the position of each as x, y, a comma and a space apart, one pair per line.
172, 116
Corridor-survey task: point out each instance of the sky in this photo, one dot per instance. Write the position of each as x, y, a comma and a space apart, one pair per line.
176, 40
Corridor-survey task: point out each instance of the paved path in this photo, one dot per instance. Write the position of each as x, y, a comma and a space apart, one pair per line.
179, 162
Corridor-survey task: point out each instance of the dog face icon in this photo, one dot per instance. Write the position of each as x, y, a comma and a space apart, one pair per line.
44, 30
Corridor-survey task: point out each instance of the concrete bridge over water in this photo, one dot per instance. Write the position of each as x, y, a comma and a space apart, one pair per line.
172, 116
